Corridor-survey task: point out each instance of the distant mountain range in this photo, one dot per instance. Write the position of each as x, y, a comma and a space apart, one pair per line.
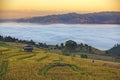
73, 18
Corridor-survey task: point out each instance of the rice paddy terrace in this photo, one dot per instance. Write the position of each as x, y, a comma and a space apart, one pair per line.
16, 64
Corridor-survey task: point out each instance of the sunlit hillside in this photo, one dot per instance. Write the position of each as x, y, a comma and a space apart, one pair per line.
16, 64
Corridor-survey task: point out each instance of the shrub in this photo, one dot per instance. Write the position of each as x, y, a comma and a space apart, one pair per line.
83, 56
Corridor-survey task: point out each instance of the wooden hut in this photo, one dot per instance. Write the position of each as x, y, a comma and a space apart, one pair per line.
28, 48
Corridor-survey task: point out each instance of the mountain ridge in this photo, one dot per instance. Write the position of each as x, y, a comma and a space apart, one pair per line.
74, 18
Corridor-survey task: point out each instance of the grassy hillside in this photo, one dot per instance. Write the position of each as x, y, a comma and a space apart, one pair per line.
16, 64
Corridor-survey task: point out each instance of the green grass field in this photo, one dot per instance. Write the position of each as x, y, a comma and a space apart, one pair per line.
16, 64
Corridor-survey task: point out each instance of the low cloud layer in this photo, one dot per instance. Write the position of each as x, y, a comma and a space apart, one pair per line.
100, 36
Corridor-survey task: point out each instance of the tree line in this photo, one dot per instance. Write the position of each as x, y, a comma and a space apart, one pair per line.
114, 51
68, 47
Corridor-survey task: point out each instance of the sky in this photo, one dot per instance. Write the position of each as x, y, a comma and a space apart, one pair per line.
28, 8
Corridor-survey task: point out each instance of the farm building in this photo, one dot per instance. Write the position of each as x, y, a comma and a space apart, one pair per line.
28, 48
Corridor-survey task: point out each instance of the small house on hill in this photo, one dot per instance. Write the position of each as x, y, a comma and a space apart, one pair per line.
28, 48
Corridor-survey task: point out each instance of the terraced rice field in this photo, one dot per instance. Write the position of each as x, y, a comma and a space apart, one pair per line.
16, 64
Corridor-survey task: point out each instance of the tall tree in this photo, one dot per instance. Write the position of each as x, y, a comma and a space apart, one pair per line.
70, 45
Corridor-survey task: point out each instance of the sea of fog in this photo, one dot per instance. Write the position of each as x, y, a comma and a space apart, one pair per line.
100, 36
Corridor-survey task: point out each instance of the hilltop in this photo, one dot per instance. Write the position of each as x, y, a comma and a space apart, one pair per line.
70, 48
114, 51
73, 18
41, 64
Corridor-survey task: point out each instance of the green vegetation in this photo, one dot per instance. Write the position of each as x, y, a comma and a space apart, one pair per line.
84, 56
75, 68
44, 57
15, 55
44, 64
3, 69
67, 48
44, 70
70, 45
115, 51
25, 57
3, 44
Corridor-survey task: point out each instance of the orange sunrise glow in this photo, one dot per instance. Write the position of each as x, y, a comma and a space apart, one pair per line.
26, 8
